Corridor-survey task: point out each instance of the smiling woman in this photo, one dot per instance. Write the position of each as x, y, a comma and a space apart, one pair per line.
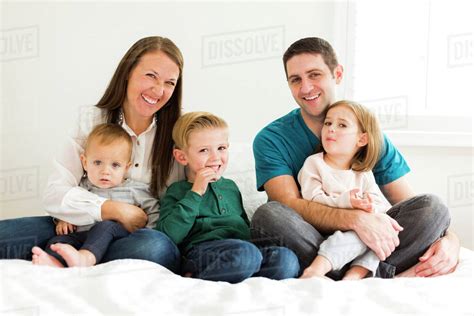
144, 97
150, 86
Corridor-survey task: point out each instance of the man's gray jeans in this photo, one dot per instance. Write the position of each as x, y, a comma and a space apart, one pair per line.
424, 219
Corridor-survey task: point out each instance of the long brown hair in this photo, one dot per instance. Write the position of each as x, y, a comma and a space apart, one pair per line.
116, 92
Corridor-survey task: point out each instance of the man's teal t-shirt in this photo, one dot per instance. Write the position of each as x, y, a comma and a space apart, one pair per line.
282, 147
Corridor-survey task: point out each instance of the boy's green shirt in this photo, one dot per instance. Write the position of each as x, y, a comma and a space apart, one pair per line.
188, 218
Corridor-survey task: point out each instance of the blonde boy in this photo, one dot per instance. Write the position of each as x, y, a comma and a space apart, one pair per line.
204, 214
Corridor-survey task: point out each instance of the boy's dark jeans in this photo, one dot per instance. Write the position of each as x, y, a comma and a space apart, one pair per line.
234, 260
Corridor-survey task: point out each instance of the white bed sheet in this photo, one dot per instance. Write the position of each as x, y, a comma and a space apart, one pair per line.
141, 287
126, 287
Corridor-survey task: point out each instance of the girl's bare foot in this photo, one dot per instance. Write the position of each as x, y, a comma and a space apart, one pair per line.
74, 257
42, 258
355, 273
318, 268
310, 273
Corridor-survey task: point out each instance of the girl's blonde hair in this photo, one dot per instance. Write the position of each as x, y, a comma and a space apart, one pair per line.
191, 122
366, 158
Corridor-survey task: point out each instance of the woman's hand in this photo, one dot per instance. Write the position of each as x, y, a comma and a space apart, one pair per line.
130, 216
64, 228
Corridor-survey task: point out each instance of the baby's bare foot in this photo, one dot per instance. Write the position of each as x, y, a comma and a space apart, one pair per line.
42, 258
74, 257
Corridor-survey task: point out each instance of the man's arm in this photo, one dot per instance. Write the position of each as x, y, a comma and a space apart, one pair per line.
442, 257
378, 231
397, 191
327, 219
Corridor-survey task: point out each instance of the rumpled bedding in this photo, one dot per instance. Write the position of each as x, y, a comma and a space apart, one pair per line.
126, 287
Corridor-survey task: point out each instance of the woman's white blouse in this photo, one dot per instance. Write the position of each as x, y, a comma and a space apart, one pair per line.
65, 200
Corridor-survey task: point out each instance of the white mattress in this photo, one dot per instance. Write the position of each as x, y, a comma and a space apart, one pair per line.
141, 287
125, 287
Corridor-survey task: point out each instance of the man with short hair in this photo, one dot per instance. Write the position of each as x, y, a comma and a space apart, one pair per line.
413, 233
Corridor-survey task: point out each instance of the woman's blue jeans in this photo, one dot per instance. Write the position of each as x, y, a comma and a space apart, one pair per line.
234, 260
18, 236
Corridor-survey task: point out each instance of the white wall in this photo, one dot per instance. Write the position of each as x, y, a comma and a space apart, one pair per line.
449, 173
58, 57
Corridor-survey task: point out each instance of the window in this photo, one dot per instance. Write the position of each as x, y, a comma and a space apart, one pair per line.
412, 63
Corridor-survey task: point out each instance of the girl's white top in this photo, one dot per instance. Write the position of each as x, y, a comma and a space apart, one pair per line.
321, 183
65, 200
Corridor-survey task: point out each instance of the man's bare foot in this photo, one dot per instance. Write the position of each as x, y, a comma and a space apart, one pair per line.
74, 257
42, 258
355, 273
410, 273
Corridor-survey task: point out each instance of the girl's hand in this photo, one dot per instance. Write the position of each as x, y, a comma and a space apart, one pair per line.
363, 202
64, 228
203, 177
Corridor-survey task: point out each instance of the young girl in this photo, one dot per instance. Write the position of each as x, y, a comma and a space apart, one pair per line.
340, 175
